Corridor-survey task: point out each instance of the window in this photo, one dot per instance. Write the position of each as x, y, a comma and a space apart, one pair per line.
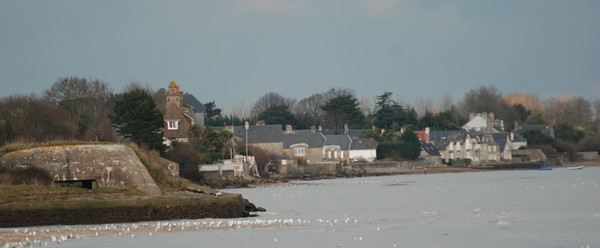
172, 124
299, 151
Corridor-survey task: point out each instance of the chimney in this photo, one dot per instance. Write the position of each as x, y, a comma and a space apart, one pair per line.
484, 115
512, 136
320, 128
516, 125
288, 128
471, 116
313, 129
427, 130
346, 130
491, 115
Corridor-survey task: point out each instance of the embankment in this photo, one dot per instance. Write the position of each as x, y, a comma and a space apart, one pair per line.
74, 212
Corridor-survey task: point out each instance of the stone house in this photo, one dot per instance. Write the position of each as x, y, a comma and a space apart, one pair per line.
307, 146
178, 118
265, 137
336, 148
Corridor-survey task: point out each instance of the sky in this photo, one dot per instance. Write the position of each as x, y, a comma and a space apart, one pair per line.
234, 51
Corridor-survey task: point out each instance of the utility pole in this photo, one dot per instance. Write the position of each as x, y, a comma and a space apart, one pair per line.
247, 126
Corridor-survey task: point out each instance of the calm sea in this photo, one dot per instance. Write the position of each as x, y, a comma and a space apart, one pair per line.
557, 208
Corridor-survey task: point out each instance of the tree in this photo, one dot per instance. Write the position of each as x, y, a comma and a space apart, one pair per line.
137, 118
407, 146
536, 137
278, 114
389, 113
341, 110
212, 110
411, 145
88, 103
566, 132
31, 119
308, 111
482, 99
268, 100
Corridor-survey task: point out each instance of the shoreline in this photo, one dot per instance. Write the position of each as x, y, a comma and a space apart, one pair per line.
43, 235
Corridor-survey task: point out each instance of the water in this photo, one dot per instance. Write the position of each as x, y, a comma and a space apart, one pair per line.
558, 208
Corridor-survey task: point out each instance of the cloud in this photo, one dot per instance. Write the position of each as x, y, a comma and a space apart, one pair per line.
281, 7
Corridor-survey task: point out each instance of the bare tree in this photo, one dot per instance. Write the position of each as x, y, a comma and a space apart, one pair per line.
335, 92
366, 105
138, 85
482, 99
423, 105
268, 100
308, 110
447, 102
529, 100
579, 112
88, 103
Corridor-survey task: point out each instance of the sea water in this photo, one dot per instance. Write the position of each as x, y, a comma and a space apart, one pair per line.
526, 208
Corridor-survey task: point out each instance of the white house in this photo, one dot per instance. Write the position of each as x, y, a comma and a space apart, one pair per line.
363, 149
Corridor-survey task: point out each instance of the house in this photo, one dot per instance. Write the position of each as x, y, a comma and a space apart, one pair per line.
307, 146
265, 137
363, 149
430, 154
178, 116
336, 148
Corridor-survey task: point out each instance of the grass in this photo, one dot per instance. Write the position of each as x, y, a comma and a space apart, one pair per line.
39, 193
15, 146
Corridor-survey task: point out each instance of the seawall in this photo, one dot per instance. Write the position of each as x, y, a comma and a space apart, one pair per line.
74, 212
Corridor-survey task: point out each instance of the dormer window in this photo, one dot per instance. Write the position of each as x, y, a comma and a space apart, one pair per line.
172, 124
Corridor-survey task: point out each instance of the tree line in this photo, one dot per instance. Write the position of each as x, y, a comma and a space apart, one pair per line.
86, 109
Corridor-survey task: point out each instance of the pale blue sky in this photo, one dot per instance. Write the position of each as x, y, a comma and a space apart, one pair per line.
236, 50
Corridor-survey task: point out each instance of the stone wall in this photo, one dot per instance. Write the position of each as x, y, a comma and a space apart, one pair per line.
118, 211
528, 155
587, 156
108, 165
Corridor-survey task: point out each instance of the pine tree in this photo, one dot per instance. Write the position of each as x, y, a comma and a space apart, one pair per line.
137, 118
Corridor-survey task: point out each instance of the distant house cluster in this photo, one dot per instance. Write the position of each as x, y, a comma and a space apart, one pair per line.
310, 145
481, 140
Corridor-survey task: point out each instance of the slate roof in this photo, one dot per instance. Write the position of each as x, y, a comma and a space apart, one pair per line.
430, 149
363, 144
340, 140
195, 105
436, 136
313, 140
258, 134
354, 133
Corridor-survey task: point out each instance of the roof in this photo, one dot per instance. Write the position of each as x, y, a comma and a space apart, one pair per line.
313, 140
430, 149
340, 140
259, 134
422, 135
477, 122
354, 133
363, 144
442, 135
195, 105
